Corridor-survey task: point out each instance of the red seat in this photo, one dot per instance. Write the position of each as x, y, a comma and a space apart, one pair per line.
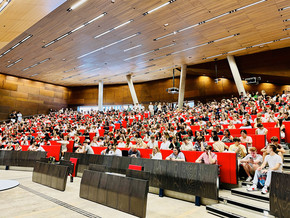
135, 167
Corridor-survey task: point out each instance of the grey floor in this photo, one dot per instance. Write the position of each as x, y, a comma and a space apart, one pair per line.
30, 199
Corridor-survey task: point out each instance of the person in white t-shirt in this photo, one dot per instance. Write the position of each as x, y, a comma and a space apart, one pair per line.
156, 154
165, 144
152, 142
275, 164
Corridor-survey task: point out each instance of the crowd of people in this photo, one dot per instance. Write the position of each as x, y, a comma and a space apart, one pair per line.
161, 122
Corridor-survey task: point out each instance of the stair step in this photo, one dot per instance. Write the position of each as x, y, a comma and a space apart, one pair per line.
287, 155
253, 194
248, 203
287, 160
286, 166
231, 211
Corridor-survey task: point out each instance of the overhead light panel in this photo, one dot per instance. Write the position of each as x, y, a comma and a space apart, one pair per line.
196, 46
74, 30
208, 20
4, 5
109, 45
34, 65
281, 9
73, 7
15, 62
137, 46
34, 75
69, 77
117, 27
249, 47
160, 6
16, 45
148, 52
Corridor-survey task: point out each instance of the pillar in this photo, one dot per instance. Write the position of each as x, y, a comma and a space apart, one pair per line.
182, 86
101, 92
132, 89
236, 74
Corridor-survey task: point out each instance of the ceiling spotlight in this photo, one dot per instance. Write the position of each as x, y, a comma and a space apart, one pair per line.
76, 5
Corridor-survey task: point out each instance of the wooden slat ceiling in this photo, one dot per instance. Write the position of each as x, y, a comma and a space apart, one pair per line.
251, 26
19, 15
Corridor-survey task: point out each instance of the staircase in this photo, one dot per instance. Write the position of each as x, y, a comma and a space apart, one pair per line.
239, 202
286, 166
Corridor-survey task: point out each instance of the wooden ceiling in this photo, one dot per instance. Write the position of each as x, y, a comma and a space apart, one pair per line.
18, 16
68, 63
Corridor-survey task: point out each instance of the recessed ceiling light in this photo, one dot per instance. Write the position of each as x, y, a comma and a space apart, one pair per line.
117, 27
34, 65
208, 20
15, 62
76, 5
16, 45
109, 45
74, 30
4, 5
148, 52
258, 45
137, 46
160, 6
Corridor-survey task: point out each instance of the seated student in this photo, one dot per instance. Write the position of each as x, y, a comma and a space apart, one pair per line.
39, 148
88, 149
141, 144
32, 147
152, 142
227, 136
261, 130
231, 125
280, 150
18, 147
186, 145
177, 155
245, 138
133, 152
275, 164
199, 145
156, 154
174, 143
165, 143
238, 148
9, 147
218, 145
207, 157
251, 162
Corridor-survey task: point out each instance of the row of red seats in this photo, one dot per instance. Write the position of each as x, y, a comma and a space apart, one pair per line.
226, 160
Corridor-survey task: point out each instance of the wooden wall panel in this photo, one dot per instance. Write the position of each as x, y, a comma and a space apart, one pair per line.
29, 97
201, 88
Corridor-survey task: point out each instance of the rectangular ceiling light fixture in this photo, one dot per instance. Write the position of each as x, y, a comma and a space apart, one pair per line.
249, 47
34, 65
208, 20
16, 45
282, 9
137, 46
148, 52
76, 5
89, 77
74, 30
110, 30
4, 5
34, 75
109, 45
15, 62
69, 77
160, 6
196, 46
